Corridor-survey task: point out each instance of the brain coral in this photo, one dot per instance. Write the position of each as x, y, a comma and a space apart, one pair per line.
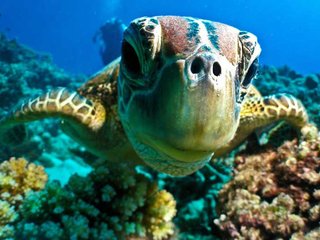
274, 194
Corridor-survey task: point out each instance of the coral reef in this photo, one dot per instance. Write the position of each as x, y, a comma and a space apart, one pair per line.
274, 194
24, 73
196, 197
110, 203
17, 179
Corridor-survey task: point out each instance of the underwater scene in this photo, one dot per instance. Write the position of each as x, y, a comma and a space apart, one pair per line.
159, 120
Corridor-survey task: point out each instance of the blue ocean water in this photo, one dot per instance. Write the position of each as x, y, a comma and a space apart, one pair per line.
274, 191
288, 30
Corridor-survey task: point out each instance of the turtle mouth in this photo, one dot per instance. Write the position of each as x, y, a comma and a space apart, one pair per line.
175, 167
181, 155
166, 158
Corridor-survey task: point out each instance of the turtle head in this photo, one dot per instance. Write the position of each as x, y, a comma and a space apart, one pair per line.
181, 84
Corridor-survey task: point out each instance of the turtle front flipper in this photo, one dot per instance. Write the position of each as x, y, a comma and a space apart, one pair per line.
83, 114
258, 112
261, 111
69, 106
89, 116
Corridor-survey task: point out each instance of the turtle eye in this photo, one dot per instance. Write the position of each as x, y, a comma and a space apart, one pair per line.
251, 73
130, 59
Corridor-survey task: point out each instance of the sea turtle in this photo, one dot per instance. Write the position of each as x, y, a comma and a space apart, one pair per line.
179, 94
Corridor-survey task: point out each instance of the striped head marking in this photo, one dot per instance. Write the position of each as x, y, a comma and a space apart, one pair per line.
181, 85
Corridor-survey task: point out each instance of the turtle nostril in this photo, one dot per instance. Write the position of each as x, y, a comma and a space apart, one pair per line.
196, 65
216, 69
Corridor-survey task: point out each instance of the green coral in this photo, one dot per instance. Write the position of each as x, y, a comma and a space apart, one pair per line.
110, 203
196, 197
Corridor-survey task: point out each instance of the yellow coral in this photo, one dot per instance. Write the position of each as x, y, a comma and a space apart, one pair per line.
17, 177
159, 214
7, 213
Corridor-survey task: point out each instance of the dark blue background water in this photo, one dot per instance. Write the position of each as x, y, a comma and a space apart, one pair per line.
288, 30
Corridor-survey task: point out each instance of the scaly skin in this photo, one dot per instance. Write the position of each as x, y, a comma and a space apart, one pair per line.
180, 93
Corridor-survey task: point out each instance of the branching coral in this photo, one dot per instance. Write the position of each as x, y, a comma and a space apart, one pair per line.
160, 210
110, 203
274, 194
17, 179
